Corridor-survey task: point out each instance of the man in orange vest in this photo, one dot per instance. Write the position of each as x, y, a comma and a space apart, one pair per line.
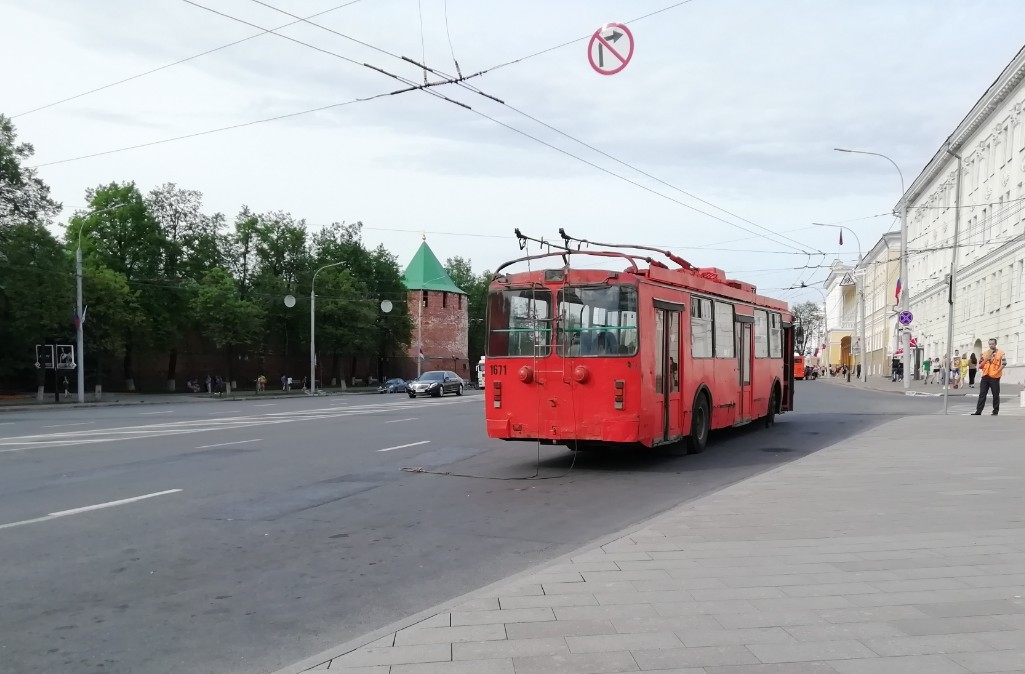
992, 366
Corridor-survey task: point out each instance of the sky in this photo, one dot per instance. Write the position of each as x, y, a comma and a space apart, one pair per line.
725, 104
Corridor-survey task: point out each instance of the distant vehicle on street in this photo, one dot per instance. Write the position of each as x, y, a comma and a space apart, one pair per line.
436, 384
392, 386
650, 355
805, 367
480, 372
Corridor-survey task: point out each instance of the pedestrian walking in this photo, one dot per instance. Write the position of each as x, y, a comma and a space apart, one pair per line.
927, 368
992, 365
973, 367
67, 393
965, 369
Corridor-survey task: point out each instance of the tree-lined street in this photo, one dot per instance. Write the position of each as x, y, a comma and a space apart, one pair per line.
294, 531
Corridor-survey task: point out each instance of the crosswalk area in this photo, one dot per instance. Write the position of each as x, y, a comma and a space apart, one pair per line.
206, 425
1009, 407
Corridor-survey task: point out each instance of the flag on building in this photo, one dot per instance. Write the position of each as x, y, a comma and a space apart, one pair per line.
897, 293
422, 356
77, 321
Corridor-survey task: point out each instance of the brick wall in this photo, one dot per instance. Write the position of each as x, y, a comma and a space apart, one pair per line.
444, 323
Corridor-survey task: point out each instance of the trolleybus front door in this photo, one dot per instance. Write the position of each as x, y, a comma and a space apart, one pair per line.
667, 369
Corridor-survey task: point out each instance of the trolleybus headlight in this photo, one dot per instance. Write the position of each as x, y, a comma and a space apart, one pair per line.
526, 374
581, 374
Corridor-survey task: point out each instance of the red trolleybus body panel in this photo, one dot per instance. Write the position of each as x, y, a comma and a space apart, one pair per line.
596, 356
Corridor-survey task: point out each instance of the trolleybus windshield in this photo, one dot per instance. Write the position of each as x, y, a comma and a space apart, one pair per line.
519, 322
598, 321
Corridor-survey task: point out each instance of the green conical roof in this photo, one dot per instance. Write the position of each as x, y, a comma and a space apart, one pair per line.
426, 273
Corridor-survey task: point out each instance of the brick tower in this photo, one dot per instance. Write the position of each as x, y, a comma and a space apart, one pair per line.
440, 314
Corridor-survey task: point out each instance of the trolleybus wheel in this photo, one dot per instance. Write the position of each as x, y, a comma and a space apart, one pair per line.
701, 422
770, 416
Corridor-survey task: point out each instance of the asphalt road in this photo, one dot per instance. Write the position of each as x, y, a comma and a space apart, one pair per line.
295, 528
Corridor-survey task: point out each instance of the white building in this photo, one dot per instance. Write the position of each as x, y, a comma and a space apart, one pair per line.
882, 268
990, 301
841, 314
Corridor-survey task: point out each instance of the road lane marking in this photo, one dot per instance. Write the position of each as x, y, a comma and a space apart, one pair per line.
226, 412
147, 431
148, 413
85, 509
80, 423
265, 405
412, 444
225, 444
395, 421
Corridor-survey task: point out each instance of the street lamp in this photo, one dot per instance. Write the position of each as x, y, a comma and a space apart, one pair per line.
313, 326
905, 296
79, 313
859, 289
953, 275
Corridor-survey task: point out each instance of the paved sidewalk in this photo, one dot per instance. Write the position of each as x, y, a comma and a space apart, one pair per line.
899, 551
1008, 390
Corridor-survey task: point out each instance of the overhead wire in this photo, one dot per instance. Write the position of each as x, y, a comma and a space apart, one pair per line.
452, 50
180, 61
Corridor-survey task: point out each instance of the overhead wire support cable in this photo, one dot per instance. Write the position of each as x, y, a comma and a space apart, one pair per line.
456, 80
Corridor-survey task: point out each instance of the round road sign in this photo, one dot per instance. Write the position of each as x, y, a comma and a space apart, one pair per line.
906, 317
610, 49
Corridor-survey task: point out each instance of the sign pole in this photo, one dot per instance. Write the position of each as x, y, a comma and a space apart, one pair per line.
80, 328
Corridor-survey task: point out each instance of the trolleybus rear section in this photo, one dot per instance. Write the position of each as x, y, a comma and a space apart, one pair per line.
646, 356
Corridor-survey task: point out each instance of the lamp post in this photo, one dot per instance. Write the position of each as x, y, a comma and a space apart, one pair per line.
859, 289
905, 296
953, 275
79, 313
313, 326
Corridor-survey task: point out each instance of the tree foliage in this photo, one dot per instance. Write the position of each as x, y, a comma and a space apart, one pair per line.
475, 286
810, 318
161, 274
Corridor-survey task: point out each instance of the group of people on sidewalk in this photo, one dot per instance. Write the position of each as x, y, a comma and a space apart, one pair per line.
959, 370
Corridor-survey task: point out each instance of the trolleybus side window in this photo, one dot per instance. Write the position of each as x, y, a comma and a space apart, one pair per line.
598, 321
724, 346
775, 336
761, 334
519, 322
701, 328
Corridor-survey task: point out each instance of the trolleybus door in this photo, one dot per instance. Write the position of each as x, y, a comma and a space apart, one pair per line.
667, 369
744, 354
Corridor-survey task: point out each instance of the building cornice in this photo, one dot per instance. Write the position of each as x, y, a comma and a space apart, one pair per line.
997, 93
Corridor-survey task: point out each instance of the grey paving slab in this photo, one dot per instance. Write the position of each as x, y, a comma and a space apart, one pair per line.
856, 559
469, 667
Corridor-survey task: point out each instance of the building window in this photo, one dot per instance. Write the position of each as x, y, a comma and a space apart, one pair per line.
424, 293
775, 336
444, 300
460, 306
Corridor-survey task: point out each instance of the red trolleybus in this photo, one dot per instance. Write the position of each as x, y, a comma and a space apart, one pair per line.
650, 355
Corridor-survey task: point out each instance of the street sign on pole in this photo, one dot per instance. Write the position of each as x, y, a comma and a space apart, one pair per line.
65, 357
610, 49
847, 280
906, 317
44, 356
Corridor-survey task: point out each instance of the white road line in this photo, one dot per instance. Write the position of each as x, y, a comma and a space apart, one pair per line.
6, 423
98, 506
80, 423
412, 444
395, 421
227, 412
224, 444
148, 413
265, 405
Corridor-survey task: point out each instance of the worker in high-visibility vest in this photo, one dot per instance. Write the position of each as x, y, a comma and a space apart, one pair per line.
992, 365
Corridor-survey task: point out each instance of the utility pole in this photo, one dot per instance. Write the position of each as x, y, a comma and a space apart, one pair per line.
953, 275
80, 323
313, 326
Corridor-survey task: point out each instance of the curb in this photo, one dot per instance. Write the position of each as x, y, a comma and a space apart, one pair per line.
910, 392
447, 606
182, 401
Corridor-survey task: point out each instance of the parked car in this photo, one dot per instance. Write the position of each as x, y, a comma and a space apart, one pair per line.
436, 384
392, 386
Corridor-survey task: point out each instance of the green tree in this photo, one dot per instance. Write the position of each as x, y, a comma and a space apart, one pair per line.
226, 320
113, 308
190, 249
810, 319
24, 197
36, 296
122, 235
